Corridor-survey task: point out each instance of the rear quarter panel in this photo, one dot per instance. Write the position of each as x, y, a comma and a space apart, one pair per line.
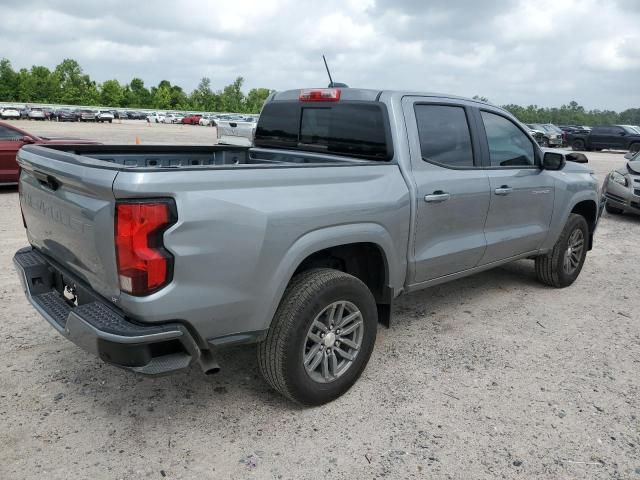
242, 233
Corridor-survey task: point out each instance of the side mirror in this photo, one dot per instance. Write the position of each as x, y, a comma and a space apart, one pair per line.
553, 161
577, 157
27, 139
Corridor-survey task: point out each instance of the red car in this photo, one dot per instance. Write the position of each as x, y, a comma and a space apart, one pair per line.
11, 140
192, 119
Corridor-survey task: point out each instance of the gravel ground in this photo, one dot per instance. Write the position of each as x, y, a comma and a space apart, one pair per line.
492, 376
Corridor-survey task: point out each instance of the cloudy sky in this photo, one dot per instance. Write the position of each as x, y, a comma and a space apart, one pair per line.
545, 52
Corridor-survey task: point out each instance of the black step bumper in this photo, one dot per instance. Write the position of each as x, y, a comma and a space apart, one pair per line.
97, 327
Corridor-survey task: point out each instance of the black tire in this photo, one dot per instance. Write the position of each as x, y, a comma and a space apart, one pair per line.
550, 268
545, 142
612, 210
577, 145
281, 354
110, 121
634, 147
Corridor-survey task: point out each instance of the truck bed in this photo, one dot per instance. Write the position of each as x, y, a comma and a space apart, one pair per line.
160, 157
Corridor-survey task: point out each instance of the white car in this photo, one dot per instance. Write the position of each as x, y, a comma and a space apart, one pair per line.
172, 118
156, 117
10, 113
36, 114
236, 132
207, 120
104, 116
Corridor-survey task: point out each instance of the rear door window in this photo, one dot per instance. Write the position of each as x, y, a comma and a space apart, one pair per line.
444, 135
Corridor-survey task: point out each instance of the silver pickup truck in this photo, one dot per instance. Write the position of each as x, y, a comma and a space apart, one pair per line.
155, 257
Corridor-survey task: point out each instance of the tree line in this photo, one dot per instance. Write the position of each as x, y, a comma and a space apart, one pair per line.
67, 84
570, 114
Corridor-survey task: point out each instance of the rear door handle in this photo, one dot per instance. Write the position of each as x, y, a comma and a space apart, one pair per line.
437, 196
504, 190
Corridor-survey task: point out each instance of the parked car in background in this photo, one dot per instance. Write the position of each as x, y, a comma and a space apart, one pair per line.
621, 188
551, 135
172, 118
49, 113
65, 115
104, 116
85, 115
24, 113
236, 132
192, 119
156, 117
536, 134
612, 137
10, 113
12, 139
207, 120
36, 114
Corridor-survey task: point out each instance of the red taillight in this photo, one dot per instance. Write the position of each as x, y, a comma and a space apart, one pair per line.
144, 266
319, 95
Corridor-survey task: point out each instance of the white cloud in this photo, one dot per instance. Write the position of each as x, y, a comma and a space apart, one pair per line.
545, 52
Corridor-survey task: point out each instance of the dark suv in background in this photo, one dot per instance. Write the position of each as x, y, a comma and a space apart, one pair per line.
611, 137
551, 135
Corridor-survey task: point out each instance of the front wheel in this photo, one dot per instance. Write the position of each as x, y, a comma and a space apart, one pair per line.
563, 264
321, 337
577, 145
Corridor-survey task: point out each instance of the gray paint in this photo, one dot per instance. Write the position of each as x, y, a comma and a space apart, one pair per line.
243, 230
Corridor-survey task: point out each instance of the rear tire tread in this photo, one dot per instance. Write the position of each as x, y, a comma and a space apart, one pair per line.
272, 351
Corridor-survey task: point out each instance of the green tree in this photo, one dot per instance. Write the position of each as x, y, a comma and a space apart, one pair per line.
111, 94
255, 99
8, 82
161, 95
137, 95
232, 98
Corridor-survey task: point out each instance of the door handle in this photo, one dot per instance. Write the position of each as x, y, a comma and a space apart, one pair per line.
437, 196
503, 190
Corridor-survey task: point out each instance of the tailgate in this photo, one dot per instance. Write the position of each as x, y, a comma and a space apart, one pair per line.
68, 206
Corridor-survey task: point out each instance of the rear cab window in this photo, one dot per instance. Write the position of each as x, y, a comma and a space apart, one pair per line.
358, 129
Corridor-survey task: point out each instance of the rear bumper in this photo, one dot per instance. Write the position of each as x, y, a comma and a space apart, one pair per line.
98, 328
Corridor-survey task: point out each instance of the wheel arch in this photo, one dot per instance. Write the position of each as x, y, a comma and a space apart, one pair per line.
589, 210
365, 250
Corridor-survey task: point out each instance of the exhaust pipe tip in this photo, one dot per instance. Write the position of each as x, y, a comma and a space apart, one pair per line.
207, 363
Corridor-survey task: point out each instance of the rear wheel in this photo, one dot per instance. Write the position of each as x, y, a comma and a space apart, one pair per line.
634, 147
321, 337
563, 264
577, 145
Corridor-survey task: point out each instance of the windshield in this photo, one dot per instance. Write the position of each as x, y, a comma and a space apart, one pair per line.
551, 128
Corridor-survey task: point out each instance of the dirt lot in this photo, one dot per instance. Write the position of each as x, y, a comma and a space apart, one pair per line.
492, 376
